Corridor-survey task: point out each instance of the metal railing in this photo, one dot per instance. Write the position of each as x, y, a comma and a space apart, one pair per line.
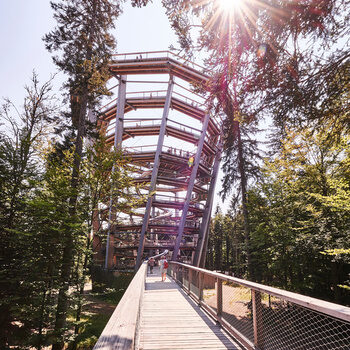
203, 98
134, 122
146, 95
170, 150
184, 127
263, 317
188, 100
156, 55
172, 199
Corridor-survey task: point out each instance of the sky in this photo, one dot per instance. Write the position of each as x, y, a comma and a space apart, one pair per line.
23, 23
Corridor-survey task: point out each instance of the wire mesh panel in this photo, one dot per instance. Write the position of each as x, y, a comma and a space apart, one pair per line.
261, 320
210, 292
237, 308
171, 271
195, 283
286, 326
176, 273
185, 277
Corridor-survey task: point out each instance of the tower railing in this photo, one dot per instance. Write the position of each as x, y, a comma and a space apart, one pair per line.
156, 55
263, 317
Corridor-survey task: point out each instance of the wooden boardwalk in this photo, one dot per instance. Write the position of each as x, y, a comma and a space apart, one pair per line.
172, 320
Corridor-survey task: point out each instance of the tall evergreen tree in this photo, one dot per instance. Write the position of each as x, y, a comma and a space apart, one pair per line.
84, 44
272, 58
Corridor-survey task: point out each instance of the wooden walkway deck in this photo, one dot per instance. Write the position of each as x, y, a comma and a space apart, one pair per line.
172, 320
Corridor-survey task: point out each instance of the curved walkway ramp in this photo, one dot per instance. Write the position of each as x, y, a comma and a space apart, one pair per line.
170, 319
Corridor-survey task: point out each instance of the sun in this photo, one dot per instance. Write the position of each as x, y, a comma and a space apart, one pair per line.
229, 5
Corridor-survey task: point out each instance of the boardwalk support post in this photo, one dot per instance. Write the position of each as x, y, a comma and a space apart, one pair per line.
219, 298
257, 320
200, 287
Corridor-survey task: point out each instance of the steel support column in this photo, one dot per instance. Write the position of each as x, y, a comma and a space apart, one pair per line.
119, 121
204, 229
118, 138
190, 186
154, 172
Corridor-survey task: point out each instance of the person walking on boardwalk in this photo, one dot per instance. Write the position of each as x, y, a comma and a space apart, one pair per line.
163, 267
151, 265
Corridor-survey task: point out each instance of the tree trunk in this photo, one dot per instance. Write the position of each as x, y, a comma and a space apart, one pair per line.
41, 320
244, 200
81, 287
67, 259
228, 253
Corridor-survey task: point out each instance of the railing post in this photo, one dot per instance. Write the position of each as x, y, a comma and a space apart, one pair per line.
219, 298
257, 320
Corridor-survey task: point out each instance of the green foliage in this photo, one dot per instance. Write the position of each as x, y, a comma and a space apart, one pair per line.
34, 224
83, 38
23, 278
89, 332
299, 217
83, 44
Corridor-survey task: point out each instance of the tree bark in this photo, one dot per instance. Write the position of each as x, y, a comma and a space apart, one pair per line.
81, 287
244, 199
67, 258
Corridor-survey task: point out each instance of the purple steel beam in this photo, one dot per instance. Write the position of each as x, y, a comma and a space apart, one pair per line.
204, 229
156, 164
190, 186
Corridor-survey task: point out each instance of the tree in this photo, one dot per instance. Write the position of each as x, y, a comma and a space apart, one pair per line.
22, 135
270, 59
85, 45
305, 187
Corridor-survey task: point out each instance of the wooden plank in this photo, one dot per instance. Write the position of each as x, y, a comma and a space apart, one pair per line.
171, 320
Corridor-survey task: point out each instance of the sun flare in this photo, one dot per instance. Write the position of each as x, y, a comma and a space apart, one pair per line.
229, 5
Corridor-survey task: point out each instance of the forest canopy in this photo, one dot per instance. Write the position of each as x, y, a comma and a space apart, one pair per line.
278, 68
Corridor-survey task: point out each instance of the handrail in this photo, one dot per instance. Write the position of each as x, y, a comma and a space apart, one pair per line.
169, 150
121, 329
167, 52
150, 94
155, 122
166, 251
190, 91
258, 323
145, 92
193, 103
335, 310
183, 125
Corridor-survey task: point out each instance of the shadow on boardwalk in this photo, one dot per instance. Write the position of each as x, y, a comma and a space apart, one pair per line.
170, 319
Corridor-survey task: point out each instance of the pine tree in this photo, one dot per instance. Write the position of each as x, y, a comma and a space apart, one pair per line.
84, 44
267, 59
